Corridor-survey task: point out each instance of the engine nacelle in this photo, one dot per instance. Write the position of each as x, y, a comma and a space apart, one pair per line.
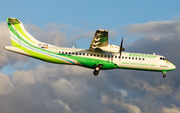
110, 48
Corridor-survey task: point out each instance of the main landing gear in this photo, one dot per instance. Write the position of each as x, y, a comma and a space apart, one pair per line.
97, 69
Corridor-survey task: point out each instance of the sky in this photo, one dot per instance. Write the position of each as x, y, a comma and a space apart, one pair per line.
28, 85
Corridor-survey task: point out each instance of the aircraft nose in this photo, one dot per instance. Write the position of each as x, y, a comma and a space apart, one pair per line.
173, 66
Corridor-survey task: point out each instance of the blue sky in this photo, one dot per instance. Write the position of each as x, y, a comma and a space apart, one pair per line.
95, 14
28, 85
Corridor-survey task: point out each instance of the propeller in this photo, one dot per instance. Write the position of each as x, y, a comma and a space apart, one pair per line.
121, 48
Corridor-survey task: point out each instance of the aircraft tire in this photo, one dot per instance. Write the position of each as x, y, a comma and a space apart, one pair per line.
164, 75
96, 73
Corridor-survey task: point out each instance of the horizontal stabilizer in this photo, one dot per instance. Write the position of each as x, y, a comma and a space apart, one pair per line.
15, 49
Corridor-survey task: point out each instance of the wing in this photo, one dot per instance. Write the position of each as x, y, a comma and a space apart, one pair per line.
100, 40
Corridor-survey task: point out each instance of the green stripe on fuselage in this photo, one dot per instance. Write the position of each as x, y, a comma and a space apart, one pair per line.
40, 56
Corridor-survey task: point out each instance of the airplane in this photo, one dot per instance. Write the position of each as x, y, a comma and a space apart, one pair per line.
100, 56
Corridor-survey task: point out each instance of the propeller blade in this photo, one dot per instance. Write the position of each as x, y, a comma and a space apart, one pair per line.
121, 48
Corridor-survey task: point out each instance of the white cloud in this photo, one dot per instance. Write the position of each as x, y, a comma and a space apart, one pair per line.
6, 85
66, 107
129, 107
22, 78
72, 89
154, 30
7, 56
174, 109
152, 91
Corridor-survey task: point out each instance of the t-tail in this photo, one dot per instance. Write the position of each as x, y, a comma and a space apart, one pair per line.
20, 38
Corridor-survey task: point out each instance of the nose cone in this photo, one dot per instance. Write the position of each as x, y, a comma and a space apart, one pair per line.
173, 66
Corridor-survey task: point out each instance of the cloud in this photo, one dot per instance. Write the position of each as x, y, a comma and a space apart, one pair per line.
155, 30
22, 78
50, 34
129, 107
174, 109
6, 56
46, 87
6, 85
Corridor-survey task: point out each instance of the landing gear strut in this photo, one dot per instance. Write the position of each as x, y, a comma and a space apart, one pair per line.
97, 69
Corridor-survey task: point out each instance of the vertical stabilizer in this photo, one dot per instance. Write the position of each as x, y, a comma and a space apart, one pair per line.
19, 36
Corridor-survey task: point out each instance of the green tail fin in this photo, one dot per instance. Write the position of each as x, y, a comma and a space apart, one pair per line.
19, 36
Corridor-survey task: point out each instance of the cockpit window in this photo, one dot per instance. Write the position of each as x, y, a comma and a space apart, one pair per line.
162, 58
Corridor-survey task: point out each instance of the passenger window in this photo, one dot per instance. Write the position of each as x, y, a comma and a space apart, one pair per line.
83, 53
108, 56
125, 57
98, 55
115, 56
91, 54
94, 54
129, 57
87, 54
133, 58
104, 55
62, 52
136, 58
59, 52
112, 56
66, 53
139, 58
79, 53
142, 58
73, 53
122, 57
69, 52
76, 53
101, 55
161, 58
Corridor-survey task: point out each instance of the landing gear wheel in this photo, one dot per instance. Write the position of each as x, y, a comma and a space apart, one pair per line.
96, 73
164, 75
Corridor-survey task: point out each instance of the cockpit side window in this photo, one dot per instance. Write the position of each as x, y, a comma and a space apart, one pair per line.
162, 58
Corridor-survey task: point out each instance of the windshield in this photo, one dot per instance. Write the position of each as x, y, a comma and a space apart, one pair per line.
163, 58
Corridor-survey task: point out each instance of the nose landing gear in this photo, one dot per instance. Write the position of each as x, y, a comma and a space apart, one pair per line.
164, 75
97, 69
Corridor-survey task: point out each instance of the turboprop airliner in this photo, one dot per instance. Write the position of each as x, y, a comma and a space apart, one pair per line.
100, 56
